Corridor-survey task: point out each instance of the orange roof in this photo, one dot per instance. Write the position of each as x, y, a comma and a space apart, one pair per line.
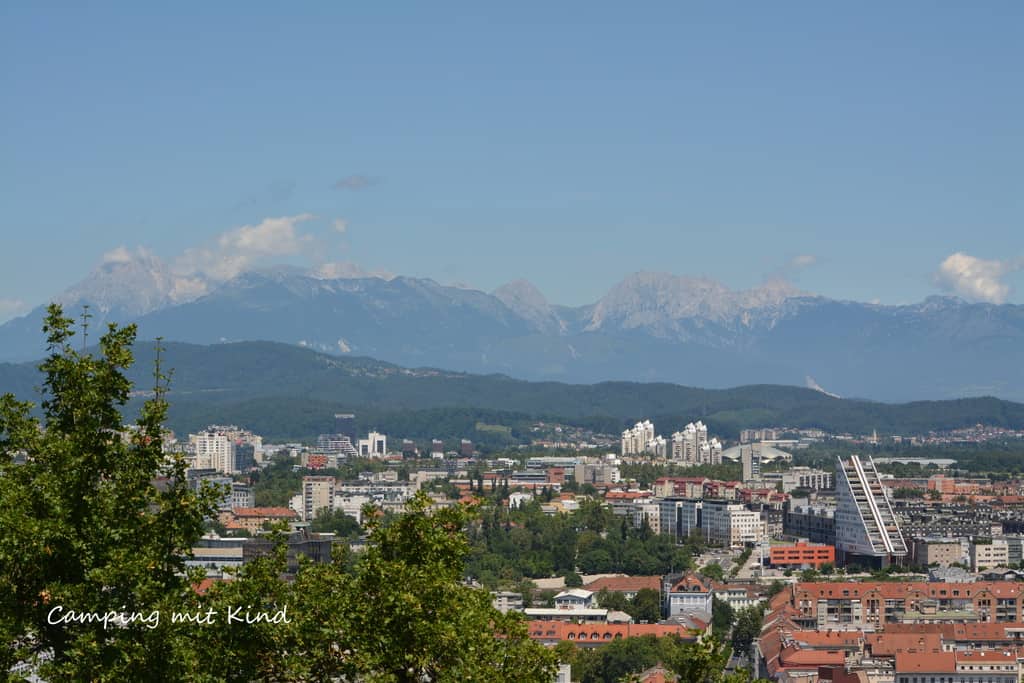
793, 656
984, 630
625, 584
888, 644
656, 674
687, 584
264, 512
626, 495
828, 639
596, 633
1006, 656
929, 662
901, 589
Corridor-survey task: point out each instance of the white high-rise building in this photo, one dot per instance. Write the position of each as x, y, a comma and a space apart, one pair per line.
867, 531
214, 451
691, 446
639, 439
373, 446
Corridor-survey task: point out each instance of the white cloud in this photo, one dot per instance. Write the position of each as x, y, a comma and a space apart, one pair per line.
802, 261
346, 270
340, 225
120, 255
10, 308
239, 249
975, 278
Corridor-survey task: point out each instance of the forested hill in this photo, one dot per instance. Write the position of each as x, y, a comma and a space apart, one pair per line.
287, 391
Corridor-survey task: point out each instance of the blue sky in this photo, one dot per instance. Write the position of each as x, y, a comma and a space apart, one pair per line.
566, 143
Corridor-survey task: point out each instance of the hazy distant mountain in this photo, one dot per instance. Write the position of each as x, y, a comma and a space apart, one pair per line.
649, 327
284, 391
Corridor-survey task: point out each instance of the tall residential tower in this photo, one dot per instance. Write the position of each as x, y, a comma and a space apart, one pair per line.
867, 532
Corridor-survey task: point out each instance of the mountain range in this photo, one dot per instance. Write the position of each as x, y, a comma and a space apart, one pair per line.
650, 327
287, 392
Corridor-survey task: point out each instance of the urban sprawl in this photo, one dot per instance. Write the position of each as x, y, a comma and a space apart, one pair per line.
850, 574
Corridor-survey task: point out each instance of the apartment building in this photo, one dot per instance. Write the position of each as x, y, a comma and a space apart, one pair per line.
317, 494
637, 439
848, 604
213, 450
942, 552
989, 554
867, 531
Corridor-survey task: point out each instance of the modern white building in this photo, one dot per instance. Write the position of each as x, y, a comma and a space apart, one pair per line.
691, 446
336, 444
639, 439
731, 524
867, 531
375, 445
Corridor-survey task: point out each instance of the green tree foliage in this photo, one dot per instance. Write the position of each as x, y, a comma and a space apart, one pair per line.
621, 659
747, 628
906, 492
336, 522
713, 571
524, 542
98, 521
83, 526
646, 605
573, 580
722, 617
274, 485
612, 600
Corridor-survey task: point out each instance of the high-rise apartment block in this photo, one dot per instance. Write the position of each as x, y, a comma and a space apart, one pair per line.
638, 439
867, 532
691, 446
214, 451
317, 494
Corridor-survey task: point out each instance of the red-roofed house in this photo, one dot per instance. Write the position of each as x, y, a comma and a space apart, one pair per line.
252, 519
629, 586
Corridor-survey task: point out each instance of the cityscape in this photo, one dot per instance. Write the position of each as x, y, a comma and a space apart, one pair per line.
569, 342
853, 572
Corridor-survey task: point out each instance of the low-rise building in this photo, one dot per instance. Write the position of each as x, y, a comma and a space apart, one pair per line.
802, 554
936, 552
686, 594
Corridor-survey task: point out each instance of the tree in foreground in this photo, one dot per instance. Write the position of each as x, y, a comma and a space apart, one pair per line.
83, 527
94, 517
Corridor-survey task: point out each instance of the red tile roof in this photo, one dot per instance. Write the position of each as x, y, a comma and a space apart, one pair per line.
264, 512
928, 662
597, 633
624, 584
